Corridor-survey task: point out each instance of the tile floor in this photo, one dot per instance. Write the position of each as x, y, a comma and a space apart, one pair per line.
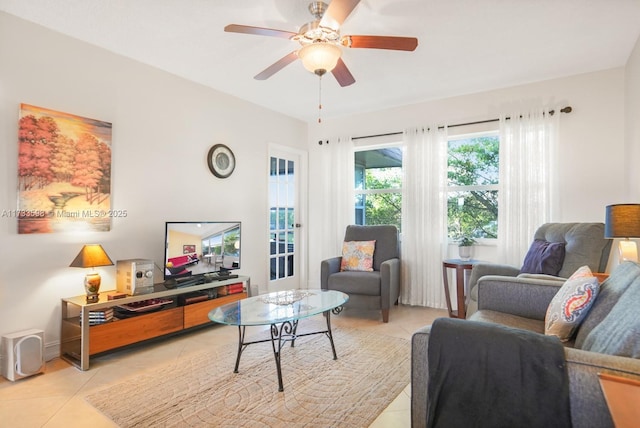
55, 399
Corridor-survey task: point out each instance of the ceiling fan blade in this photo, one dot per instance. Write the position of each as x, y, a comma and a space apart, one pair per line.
276, 66
337, 12
342, 74
259, 31
381, 42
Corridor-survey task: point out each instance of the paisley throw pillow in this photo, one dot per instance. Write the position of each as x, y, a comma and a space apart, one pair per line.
570, 306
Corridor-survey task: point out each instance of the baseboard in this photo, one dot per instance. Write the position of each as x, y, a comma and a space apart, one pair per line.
51, 350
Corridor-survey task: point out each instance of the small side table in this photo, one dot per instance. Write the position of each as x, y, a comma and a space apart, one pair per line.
460, 266
622, 395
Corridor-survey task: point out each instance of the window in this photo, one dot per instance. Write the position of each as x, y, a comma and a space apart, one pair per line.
472, 180
223, 244
378, 186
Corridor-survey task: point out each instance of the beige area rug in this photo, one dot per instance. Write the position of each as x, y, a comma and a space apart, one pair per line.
202, 390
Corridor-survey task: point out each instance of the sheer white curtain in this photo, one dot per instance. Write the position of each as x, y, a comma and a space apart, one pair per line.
338, 210
423, 216
528, 147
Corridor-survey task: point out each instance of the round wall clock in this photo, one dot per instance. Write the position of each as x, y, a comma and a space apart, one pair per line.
221, 160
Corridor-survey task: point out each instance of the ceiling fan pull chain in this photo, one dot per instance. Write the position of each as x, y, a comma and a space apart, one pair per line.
320, 99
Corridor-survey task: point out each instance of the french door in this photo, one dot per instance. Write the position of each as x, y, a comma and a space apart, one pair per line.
285, 230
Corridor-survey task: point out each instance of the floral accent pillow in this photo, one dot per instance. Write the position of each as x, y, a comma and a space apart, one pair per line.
357, 255
570, 306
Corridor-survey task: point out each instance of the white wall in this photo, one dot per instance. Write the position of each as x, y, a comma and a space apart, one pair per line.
591, 139
632, 129
163, 127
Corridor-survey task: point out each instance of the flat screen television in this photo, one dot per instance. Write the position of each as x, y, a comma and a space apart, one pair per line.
201, 247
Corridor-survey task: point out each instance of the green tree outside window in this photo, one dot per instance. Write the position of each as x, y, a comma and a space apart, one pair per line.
473, 180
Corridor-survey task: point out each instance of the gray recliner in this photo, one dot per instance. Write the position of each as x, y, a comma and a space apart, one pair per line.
368, 290
585, 245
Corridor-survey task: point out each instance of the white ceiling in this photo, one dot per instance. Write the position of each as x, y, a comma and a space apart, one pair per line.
465, 46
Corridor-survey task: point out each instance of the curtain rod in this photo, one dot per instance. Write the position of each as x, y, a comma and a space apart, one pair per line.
567, 109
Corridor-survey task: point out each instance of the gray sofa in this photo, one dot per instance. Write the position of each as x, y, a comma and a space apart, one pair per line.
608, 340
585, 245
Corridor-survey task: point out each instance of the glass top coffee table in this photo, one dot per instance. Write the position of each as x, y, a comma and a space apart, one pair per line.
282, 310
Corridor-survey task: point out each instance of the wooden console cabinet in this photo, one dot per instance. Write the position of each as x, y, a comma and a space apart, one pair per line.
80, 340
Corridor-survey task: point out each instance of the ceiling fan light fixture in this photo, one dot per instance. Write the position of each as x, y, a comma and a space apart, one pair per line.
320, 57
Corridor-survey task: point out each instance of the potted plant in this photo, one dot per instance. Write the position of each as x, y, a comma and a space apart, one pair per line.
465, 243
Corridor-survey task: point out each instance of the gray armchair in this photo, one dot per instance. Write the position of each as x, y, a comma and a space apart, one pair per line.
585, 245
368, 290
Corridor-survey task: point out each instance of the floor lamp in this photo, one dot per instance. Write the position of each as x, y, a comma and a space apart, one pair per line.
623, 221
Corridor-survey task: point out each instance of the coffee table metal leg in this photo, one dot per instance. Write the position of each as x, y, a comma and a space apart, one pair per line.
293, 334
241, 346
329, 334
276, 335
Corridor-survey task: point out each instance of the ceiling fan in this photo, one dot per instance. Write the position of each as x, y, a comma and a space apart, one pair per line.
321, 42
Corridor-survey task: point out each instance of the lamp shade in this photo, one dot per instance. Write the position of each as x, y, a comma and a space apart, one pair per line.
91, 255
319, 57
622, 221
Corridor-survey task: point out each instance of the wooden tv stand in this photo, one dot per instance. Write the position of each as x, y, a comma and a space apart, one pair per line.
79, 340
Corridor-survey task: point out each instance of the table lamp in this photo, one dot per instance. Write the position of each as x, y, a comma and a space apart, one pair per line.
623, 221
91, 256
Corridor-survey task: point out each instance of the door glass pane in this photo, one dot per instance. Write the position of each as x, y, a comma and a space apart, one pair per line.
272, 219
281, 267
282, 194
291, 194
273, 244
290, 242
290, 265
290, 219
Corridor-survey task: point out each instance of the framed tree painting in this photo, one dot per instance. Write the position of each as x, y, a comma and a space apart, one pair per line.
64, 172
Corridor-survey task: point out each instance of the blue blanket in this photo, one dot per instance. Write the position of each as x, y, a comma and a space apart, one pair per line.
489, 375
